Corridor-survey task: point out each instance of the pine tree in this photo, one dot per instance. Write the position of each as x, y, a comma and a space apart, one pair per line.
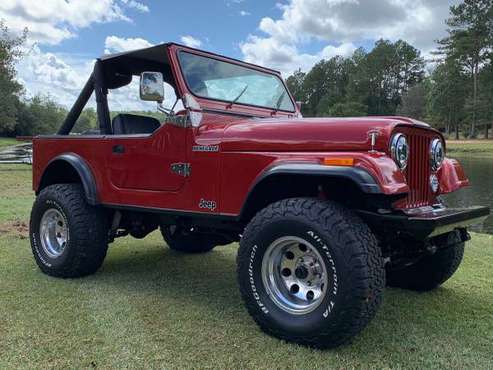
469, 42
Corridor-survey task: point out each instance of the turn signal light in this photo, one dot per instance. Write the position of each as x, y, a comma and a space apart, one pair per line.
339, 161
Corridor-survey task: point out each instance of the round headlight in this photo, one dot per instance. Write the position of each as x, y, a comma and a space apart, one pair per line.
399, 149
437, 154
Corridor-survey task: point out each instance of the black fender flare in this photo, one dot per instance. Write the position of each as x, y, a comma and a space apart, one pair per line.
365, 182
84, 172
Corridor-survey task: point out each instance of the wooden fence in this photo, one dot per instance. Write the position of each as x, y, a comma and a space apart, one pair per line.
20, 153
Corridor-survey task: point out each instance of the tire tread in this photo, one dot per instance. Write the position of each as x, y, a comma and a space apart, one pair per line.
361, 252
87, 229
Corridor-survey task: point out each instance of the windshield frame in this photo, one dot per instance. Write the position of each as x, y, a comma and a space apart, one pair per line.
240, 64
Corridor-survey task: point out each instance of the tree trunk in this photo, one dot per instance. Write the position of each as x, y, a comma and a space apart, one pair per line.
474, 99
457, 131
486, 127
449, 122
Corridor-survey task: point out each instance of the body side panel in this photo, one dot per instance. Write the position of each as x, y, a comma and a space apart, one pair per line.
226, 174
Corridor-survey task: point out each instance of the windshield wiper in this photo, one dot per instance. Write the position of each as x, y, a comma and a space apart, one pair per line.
279, 100
238, 96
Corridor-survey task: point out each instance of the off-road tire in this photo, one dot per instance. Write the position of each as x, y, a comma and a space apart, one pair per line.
87, 240
350, 252
430, 271
187, 241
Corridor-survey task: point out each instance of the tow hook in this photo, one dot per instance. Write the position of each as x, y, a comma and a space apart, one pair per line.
458, 236
431, 248
454, 237
464, 235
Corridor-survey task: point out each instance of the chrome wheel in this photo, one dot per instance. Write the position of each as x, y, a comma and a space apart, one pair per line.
294, 275
53, 233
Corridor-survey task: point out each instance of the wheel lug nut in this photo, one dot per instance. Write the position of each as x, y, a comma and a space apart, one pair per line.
294, 289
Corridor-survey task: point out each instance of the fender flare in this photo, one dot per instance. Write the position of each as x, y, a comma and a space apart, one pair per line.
84, 172
365, 182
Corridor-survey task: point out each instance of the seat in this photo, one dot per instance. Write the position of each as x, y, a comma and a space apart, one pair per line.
131, 124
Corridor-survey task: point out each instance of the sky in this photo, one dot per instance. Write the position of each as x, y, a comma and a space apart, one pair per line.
65, 36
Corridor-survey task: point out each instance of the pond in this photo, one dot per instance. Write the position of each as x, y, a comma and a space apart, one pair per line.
480, 173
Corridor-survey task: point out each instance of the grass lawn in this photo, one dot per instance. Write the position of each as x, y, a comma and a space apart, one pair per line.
7, 141
152, 307
476, 148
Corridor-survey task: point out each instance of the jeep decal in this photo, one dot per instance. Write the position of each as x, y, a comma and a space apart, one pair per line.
207, 204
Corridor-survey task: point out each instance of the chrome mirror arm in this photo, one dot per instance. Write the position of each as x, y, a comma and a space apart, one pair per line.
194, 110
162, 109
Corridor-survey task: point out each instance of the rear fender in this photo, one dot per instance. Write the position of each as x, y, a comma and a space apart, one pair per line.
70, 168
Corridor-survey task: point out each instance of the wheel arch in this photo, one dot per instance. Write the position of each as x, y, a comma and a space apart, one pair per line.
310, 180
70, 168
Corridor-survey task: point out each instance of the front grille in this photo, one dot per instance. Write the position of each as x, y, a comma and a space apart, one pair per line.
418, 169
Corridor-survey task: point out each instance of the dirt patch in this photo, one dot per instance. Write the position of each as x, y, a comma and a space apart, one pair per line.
16, 227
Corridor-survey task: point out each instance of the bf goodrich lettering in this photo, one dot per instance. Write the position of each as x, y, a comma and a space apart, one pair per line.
318, 239
252, 281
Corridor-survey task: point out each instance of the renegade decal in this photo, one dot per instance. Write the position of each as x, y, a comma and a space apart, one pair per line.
205, 148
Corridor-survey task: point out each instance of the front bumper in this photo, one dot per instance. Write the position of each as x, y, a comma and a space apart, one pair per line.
427, 223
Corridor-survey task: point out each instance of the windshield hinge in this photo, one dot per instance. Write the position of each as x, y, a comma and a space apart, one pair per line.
182, 169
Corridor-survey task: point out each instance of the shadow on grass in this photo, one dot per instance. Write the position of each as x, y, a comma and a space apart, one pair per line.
207, 283
204, 279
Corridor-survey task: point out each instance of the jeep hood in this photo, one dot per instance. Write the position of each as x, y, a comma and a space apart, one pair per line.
312, 134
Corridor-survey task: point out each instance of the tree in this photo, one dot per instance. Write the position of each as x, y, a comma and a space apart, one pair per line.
39, 115
447, 96
86, 121
384, 74
469, 42
10, 89
348, 109
295, 85
326, 85
485, 98
414, 102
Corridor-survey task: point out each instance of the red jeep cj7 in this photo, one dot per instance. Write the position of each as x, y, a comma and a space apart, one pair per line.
327, 211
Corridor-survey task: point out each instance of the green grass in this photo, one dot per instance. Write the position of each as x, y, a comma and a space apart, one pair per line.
7, 141
476, 148
152, 307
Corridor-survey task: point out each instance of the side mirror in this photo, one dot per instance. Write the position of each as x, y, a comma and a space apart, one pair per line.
152, 86
299, 104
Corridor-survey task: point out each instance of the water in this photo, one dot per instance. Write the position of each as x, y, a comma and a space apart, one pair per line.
480, 193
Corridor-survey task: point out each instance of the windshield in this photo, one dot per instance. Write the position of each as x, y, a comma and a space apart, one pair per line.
218, 80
